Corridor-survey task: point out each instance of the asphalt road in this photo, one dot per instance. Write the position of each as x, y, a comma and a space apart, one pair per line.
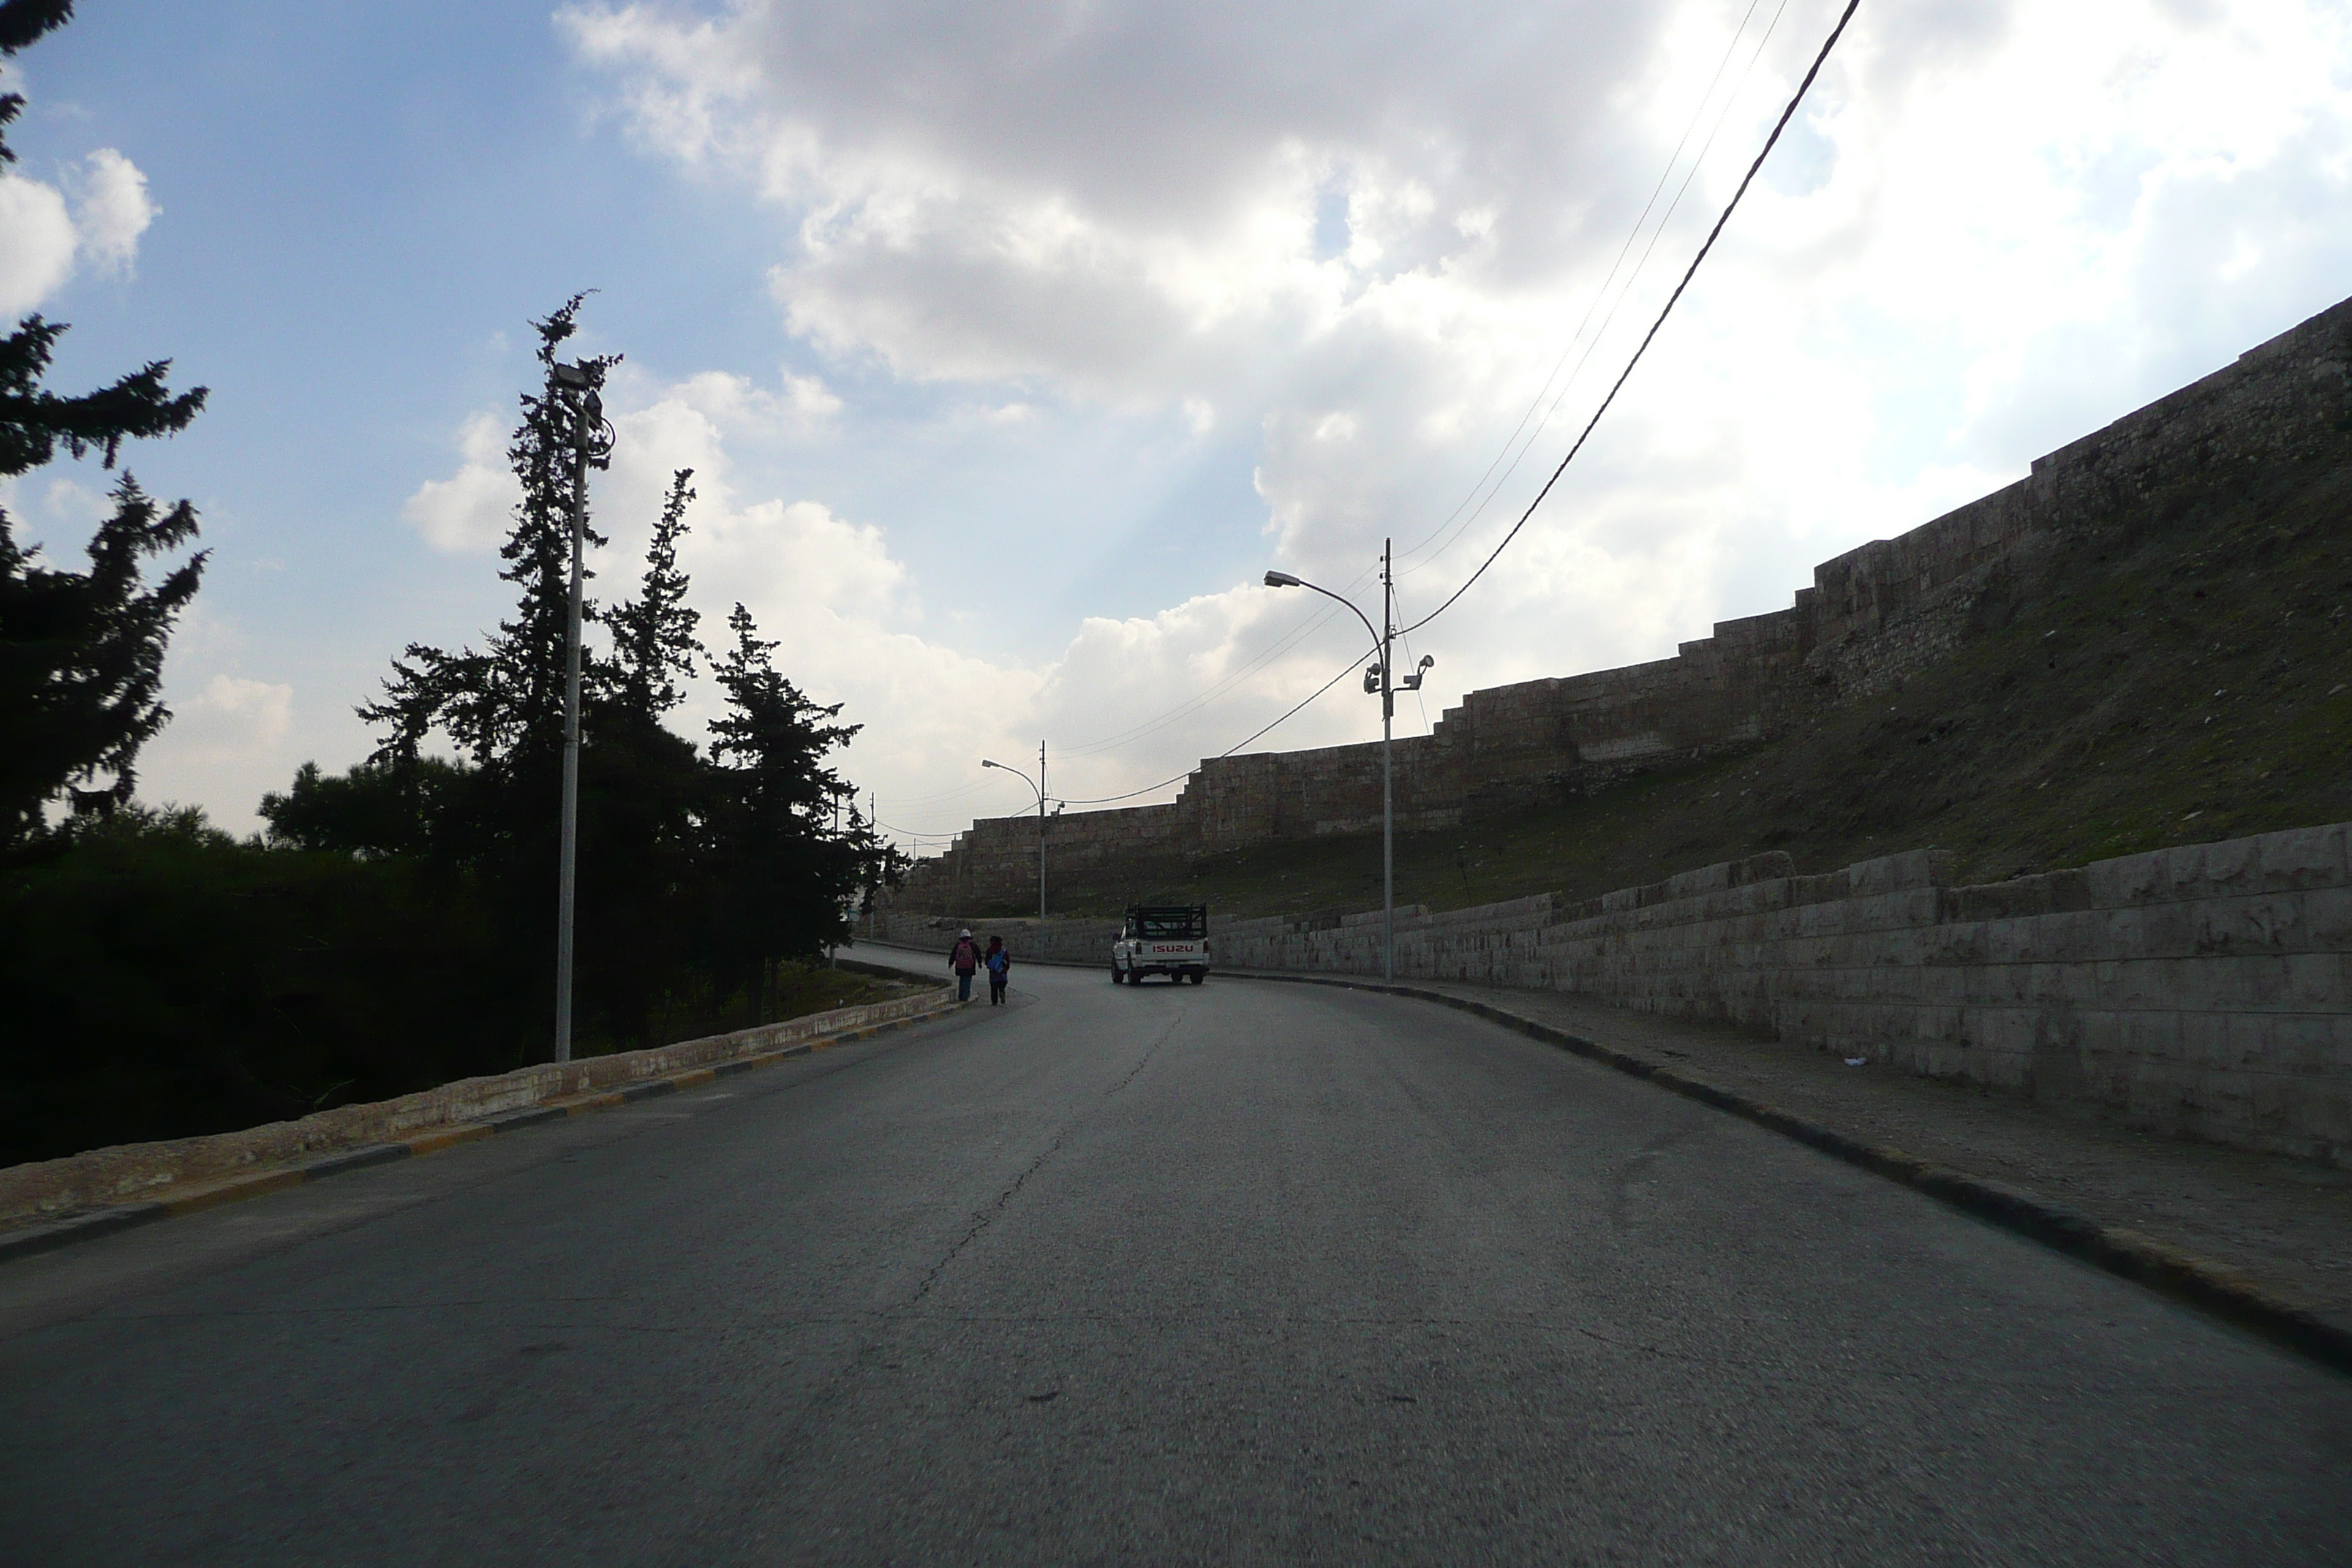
1237, 1273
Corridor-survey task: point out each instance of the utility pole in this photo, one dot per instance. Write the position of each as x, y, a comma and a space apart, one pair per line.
588, 416
1037, 784
1388, 779
1380, 678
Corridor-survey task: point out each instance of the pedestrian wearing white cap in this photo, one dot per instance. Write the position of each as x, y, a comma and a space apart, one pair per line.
964, 959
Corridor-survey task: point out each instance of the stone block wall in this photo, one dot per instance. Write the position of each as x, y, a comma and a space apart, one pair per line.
2203, 991
1872, 617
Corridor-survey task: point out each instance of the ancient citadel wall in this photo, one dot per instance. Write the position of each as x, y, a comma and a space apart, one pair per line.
2203, 991
1873, 615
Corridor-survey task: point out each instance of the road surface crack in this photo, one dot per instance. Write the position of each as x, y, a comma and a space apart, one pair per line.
987, 1216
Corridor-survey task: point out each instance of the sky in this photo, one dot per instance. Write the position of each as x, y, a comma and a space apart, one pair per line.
1011, 345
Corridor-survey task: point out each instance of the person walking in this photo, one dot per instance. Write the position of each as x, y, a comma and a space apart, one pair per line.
999, 963
964, 959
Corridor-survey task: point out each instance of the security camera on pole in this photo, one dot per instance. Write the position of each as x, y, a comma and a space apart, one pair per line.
1380, 679
573, 387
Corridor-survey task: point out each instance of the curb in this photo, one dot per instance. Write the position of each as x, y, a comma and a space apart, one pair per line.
2213, 1287
29, 1241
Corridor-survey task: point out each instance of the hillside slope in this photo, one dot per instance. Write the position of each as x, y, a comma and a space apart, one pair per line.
2187, 678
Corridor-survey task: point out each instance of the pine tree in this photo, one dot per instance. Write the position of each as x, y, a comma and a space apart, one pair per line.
504, 706
782, 875
654, 641
82, 653
21, 23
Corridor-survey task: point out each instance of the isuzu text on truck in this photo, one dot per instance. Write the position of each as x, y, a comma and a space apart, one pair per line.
1162, 939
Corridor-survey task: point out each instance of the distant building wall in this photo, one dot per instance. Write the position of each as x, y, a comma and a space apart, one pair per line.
1872, 617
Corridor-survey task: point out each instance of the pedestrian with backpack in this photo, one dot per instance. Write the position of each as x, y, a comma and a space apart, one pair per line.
999, 963
964, 959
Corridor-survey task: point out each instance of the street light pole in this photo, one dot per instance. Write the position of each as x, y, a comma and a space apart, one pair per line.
1036, 784
1380, 678
588, 413
1388, 747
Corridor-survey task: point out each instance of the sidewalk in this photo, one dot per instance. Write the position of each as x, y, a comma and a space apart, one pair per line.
2284, 1224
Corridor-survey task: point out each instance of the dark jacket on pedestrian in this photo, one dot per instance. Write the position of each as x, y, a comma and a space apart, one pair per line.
964, 956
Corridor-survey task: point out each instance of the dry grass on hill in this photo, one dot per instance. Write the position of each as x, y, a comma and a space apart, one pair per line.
2189, 679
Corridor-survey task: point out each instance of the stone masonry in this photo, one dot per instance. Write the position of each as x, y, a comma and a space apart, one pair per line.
1872, 617
2204, 991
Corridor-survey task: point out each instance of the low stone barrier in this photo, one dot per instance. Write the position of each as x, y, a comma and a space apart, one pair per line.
2204, 991
129, 1172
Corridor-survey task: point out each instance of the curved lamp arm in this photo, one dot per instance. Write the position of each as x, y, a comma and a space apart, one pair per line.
1285, 580
1017, 773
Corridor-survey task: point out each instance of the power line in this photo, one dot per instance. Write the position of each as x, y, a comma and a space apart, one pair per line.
1281, 645
1699, 111
1314, 623
1632, 277
910, 833
1229, 751
1746, 180
1786, 115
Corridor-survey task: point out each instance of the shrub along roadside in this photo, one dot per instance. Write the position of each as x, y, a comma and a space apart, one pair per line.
165, 980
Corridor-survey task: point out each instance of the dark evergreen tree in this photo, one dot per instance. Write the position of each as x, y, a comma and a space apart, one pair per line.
81, 657
783, 873
694, 873
21, 23
642, 796
654, 641
82, 653
504, 706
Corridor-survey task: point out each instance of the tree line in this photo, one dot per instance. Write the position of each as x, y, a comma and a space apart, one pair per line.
394, 925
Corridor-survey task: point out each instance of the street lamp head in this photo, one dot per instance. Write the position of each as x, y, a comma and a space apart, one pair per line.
571, 377
1428, 660
986, 763
1282, 580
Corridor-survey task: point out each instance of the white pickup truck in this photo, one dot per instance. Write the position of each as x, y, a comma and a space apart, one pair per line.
1162, 939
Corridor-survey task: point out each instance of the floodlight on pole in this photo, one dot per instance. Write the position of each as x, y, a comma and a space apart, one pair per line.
1378, 681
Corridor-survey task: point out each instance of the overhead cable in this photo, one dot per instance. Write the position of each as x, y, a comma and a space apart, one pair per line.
1786, 115
1698, 112
1315, 621
1229, 751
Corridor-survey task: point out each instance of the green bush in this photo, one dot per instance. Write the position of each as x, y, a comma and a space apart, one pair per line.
164, 980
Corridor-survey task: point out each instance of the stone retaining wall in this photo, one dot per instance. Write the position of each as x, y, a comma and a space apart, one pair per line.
2204, 991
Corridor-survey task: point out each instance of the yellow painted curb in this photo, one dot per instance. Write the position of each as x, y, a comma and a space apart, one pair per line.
232, 1190
237, 1188
448, 1137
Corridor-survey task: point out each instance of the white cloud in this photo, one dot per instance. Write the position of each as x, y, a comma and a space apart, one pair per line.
40, 239
233, 714
231, 738
1994, 227
469, 510
36, 243
112, 210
